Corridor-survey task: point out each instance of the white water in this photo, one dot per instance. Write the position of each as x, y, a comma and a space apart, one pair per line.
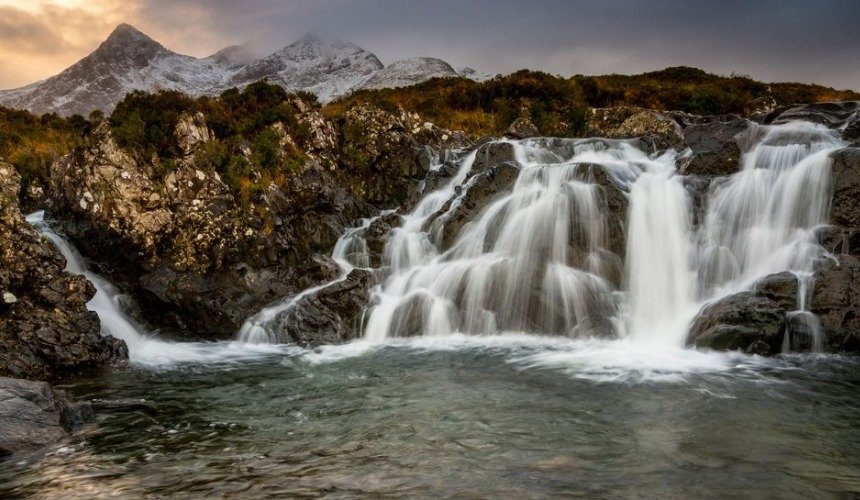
537, 261
350, 252
143, 347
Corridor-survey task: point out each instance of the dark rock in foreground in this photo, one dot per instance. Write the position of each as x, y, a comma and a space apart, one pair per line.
33, 414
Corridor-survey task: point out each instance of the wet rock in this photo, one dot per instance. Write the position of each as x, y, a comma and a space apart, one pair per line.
836, 302
522, 128
757, 321
831, 114
481, 191
845, 210
753, 321
741, 322
33, 414
839, 241
331, 315
715, 148
492, 154
45, 327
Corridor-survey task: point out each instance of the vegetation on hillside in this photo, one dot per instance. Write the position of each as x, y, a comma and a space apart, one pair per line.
31, 143
557, 105
242, 120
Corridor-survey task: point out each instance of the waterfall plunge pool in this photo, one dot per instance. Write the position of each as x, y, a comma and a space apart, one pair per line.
509, 416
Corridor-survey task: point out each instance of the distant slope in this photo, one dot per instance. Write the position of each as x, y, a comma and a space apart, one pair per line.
409, 72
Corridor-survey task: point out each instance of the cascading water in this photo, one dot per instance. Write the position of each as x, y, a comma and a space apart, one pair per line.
143, 347
350, 252
537, 258
106, 301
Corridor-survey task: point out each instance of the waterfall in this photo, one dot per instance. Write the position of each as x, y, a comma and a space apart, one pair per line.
107, 302
537, 256
536, 259
143, 347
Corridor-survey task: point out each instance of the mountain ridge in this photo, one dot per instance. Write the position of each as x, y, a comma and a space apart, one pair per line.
129, 59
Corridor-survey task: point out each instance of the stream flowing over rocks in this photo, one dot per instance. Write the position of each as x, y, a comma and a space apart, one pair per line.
663, 230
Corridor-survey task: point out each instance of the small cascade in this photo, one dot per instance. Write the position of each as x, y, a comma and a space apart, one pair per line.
350, 252
107, 302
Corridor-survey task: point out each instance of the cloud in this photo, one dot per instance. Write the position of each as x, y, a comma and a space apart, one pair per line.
43, 37
772, 40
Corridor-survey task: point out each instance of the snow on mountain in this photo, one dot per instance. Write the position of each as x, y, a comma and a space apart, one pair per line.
130, 60
326, 68
409, 72
127, 60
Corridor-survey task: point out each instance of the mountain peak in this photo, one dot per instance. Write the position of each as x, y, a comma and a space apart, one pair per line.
127, 32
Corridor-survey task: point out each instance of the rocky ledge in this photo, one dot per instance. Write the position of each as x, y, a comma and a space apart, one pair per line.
198, 259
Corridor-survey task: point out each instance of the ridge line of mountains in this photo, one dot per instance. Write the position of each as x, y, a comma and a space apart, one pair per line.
131, 60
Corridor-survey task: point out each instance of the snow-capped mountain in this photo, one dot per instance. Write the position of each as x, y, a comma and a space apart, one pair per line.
130, 60
409, 72
126, 61
323, 67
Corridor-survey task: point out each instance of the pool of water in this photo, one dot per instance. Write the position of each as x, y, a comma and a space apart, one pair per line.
502, 417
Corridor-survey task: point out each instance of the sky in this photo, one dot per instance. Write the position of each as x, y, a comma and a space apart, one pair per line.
771, 40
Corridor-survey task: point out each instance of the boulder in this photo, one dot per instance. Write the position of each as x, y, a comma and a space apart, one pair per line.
33, 414
844, 210
752, 321
836, 302
522, 128
714, 146
331, 315
658, 129
45, 327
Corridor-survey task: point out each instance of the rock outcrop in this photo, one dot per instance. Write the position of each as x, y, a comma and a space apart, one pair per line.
33, 414
174, 235
45, 327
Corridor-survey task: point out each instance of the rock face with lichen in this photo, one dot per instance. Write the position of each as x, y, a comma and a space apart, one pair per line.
45, 327
174, 234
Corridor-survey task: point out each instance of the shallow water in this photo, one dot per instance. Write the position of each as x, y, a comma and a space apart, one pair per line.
510, 417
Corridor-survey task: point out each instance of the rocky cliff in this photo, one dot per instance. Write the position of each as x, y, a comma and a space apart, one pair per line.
199, 259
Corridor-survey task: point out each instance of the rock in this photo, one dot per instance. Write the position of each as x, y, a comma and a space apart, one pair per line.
757, 321
45, 327
844, 210
481, 190
600, 122
493, 153
831, 114
753, 321
836, 302
329, 316
522, 128
191, 131
656, 128
739, 322
715, 148
33, 414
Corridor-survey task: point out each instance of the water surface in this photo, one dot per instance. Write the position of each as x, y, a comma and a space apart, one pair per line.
461, 417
